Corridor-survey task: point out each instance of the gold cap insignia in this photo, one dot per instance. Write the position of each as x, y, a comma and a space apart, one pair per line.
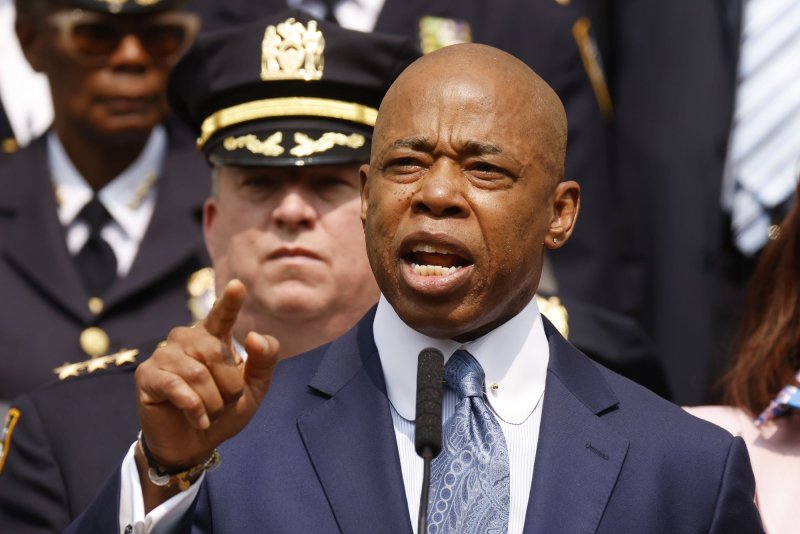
94, 364
292, 51
306, 146
5, 438
271, 146
555, 312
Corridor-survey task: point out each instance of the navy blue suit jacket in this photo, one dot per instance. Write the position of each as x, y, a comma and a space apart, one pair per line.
320, 456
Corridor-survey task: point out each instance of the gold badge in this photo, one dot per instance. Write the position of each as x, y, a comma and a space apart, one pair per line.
5, 438
555, 312
290, 51
94, 341
271, 146
305, 146
438, 32
201, 293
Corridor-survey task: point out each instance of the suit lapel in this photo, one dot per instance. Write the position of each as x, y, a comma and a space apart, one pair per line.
579, 457
350, 438
173, 235
36, 243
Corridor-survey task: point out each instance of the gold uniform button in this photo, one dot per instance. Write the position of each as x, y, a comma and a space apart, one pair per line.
9, 145
96, 305
94, 341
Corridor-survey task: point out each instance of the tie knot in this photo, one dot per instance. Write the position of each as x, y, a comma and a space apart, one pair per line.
95, 214
464, 374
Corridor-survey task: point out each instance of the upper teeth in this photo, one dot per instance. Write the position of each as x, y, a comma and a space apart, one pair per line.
430, 248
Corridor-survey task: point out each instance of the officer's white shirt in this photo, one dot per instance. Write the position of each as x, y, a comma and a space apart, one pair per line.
514, 356
130, 198
358, 15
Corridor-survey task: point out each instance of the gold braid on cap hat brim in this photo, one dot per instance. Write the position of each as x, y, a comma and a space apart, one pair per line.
294, 106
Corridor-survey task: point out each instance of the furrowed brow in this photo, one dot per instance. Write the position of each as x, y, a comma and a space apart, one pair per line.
420, 143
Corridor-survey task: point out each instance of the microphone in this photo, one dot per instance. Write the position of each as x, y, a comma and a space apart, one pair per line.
428, 427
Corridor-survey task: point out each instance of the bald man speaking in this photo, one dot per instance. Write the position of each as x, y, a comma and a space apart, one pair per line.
463, 193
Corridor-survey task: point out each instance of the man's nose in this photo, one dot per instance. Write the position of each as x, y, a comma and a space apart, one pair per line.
130, 53
441, 192
294, 211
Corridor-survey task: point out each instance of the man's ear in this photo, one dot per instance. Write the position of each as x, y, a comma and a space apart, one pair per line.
31, 35
209, 219
566, 204
363, 173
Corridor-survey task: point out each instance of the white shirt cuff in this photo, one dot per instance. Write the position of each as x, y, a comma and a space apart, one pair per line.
163, 518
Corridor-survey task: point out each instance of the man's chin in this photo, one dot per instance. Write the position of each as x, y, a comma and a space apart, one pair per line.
296, 303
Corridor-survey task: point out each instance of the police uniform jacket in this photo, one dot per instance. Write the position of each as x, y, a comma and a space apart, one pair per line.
66, 439
45, 305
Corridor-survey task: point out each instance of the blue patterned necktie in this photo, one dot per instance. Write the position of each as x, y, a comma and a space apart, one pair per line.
470, 477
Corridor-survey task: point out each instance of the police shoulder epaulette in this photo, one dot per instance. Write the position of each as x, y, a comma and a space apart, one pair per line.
91, 365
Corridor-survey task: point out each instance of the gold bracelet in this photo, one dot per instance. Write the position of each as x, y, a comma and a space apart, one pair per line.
183, 478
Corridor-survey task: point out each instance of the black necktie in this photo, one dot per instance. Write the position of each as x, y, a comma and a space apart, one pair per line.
96, 261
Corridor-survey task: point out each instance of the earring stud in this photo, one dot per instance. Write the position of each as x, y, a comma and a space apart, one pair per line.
555, 241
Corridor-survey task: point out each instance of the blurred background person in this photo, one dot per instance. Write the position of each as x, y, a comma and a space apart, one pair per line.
762, 387
707, 114
100, 224
283, 217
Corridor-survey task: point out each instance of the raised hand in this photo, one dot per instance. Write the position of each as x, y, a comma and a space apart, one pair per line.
195, 391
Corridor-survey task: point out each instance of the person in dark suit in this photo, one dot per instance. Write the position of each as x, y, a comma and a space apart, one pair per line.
286, 221
682, 101
463, 193
100, 217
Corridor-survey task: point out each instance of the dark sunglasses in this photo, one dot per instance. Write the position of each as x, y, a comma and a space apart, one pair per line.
91, 38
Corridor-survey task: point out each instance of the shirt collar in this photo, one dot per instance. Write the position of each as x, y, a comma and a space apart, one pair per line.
514, 356
128, 197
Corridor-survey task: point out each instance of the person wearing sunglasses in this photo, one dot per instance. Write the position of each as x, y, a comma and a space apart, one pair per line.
100, 217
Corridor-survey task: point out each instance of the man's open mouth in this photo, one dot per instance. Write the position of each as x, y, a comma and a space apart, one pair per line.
433, 260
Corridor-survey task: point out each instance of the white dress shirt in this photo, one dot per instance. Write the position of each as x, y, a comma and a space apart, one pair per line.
24, 92
360, 15
130, 198
514, 356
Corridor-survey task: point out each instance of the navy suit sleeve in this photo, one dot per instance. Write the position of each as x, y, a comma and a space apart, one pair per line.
735, 510
33, 497
103, 514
